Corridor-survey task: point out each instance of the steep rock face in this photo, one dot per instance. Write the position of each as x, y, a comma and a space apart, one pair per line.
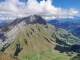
35, 19
29, 20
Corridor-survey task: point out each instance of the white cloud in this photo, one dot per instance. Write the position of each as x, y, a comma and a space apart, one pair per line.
73, 12
44, 8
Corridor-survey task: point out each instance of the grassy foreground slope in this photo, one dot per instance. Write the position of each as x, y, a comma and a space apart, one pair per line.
35, 42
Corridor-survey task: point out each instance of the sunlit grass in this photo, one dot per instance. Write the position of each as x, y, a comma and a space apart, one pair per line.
46, 55
36, 45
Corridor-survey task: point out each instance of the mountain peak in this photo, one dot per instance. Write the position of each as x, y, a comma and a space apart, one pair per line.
33, 19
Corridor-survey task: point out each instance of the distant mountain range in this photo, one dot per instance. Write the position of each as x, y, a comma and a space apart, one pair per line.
3, 23
72, 25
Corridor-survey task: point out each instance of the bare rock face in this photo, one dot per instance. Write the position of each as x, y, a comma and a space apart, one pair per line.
34, 19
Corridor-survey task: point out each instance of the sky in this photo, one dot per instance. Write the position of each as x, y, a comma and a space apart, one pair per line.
62, 3
67, 3
50, 9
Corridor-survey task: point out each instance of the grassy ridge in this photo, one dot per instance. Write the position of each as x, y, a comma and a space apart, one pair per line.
36, 43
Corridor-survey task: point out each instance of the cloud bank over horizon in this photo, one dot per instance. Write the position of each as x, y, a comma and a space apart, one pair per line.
15, 8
